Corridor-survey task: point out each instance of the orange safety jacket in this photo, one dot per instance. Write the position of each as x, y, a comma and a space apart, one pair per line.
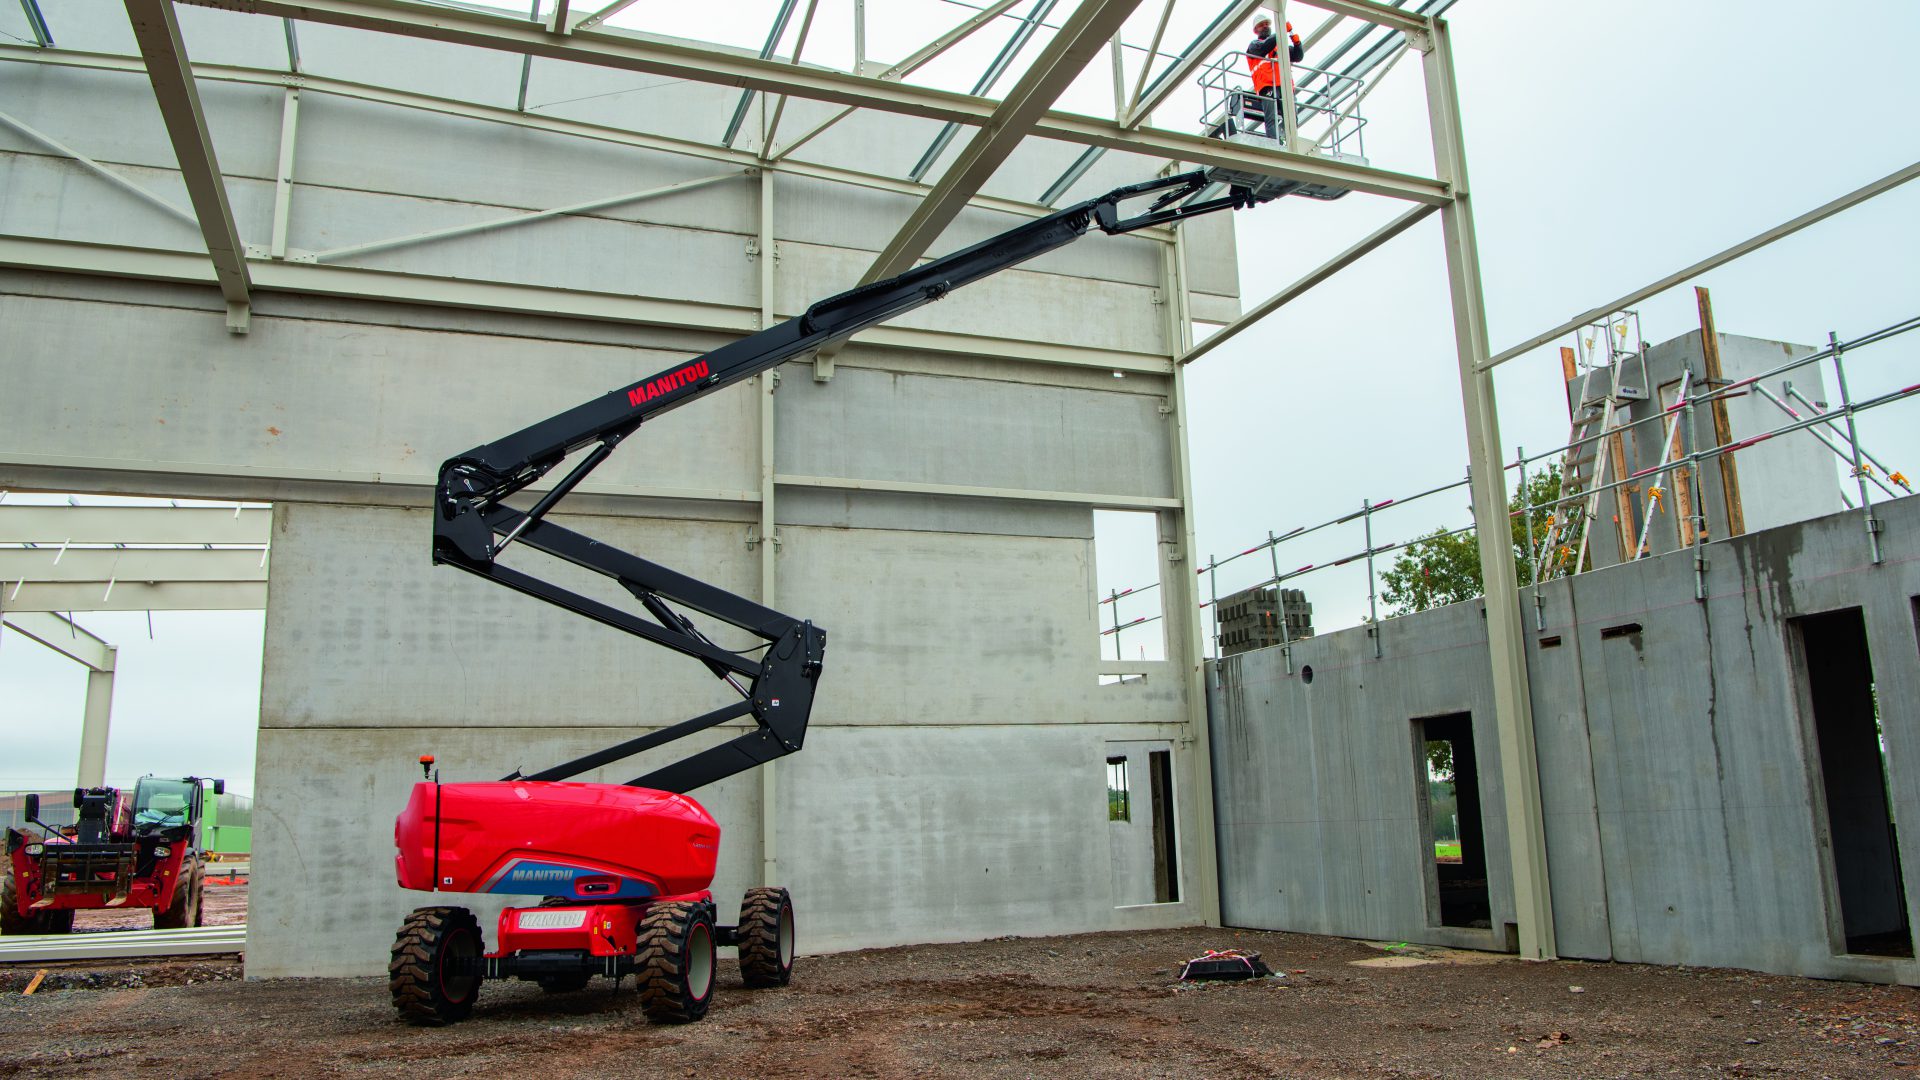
1263, 64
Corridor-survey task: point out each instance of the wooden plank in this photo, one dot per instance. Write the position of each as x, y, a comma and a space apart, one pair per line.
1722, 426
1623, 498
1569, 371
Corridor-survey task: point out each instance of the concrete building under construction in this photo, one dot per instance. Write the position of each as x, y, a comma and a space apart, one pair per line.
298, 254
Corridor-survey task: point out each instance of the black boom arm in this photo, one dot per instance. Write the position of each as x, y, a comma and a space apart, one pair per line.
472, 523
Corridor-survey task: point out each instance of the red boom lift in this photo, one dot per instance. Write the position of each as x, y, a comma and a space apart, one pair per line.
625, 870
129, 850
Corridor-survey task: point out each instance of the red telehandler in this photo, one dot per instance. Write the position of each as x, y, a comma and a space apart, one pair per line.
625, 870
138, 849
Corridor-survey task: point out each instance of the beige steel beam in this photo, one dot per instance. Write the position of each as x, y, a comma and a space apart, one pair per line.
529, 121
134, 525
1506, 645
1754, 243
926, 55
1176, 76
135, 596
628, 52
104, 565
67, 638
1374, 12
1065, 56
1321, 273
157, 31
1090, 25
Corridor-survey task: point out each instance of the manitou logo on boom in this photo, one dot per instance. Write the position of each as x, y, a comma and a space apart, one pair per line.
667, 384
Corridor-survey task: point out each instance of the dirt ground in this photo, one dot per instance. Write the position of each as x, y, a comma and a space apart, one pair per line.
1094, 1005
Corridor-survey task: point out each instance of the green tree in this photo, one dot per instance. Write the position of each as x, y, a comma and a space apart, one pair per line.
1444, 568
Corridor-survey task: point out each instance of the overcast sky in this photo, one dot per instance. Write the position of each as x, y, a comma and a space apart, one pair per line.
1608, 145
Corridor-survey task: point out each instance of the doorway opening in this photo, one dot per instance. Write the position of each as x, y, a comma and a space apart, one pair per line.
1140, 824
1452, 845
1837, 675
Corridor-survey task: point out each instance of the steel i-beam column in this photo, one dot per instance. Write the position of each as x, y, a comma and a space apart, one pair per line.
1512, 701
769, 541
94, 727
1180, 593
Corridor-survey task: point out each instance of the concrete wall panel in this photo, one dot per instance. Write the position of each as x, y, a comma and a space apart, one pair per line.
879, 425
1681, 789
302, 397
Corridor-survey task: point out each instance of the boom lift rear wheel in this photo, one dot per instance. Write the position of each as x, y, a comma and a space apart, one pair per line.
432, 976
674, 962
766, 937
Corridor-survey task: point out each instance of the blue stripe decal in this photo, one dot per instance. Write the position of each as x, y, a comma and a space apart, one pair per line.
556, 879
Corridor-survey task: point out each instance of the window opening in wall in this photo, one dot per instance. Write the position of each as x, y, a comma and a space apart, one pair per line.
1126, 556
1166, 869
1119, 807
1837, 674
1448, 772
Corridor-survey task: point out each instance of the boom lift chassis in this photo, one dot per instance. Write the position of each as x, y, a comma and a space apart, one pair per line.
632, 864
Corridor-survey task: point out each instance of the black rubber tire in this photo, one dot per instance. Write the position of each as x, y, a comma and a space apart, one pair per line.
564, 984
185, 911
11, 921
57, 922
423, 991
766, 938
674, 962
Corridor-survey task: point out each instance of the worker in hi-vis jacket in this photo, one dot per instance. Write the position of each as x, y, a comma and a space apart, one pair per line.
1266, 69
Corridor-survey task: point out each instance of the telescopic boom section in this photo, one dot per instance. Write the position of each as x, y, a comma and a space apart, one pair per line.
472, 523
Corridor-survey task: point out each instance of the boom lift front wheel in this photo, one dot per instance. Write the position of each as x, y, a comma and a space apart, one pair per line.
433, 975
765, 937
674, 962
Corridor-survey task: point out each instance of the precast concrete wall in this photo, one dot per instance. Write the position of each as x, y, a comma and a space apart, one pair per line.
1688, 820
932, 502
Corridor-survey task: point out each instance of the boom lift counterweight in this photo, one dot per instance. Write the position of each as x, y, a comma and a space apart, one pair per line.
626, 869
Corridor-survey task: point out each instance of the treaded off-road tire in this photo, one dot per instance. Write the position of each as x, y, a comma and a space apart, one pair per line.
11, 921
674, 962
433, 940
766, 938
185, 911
58, 921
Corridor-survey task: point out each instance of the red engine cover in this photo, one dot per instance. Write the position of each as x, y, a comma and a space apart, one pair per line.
589, 841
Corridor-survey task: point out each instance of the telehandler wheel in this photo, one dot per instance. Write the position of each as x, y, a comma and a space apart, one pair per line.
674, 962
11, 921
57, 922
430, 975
185, 911
564, 984
766, 938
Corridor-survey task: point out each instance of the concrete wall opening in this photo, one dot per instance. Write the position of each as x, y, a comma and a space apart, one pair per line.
1140, 824
1126, 557
1836, 675
1453, 851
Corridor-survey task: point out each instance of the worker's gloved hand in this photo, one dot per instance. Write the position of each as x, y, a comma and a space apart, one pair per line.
1291, 36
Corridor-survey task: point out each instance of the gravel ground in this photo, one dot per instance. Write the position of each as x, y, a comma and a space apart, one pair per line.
1105, 1005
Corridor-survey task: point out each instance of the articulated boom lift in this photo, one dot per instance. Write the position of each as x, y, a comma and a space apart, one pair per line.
625, 870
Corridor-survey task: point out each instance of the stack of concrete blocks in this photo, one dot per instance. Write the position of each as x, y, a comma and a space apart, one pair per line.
1783, 480
932, 503
1253, 618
